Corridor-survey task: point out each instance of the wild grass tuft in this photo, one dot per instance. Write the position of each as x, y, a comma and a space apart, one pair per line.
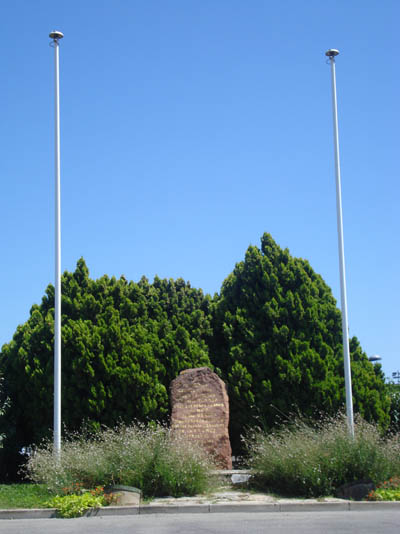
146, 457
304, 460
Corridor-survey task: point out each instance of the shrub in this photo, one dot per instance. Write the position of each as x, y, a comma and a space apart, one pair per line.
76, 505
300, 459
389, 490
147, 457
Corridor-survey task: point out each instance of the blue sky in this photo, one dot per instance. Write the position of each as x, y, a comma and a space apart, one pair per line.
188, 129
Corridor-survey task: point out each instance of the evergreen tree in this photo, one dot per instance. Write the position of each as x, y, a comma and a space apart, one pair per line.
273, 334
278, 344
122, 344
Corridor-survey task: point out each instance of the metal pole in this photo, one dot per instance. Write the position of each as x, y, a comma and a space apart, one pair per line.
56, 36
345, 329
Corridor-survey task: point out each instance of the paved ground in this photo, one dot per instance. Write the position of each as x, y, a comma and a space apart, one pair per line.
235, 496
233, 499
366, 522
223, 501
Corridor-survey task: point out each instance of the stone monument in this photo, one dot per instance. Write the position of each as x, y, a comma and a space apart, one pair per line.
200, 412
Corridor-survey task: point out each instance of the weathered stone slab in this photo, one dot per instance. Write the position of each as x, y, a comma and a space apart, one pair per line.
124, 495
355, 491
200, 412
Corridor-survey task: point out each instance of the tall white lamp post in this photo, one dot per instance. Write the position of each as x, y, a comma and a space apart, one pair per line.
56, 36
332, 53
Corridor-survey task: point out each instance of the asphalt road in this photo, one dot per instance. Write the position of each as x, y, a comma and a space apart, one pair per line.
368, 522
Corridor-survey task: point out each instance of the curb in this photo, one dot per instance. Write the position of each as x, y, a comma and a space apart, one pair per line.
31, 513
346, 506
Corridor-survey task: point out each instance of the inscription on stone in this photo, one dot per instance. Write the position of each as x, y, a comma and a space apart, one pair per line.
200, 412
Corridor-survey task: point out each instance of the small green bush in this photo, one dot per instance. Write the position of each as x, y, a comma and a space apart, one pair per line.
312, 461
384, 495
149, 458
389, 490
75, 505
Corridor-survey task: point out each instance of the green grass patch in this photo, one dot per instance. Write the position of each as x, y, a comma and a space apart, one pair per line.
24, 496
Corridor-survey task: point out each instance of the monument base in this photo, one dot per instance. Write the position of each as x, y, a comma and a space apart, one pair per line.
200, 413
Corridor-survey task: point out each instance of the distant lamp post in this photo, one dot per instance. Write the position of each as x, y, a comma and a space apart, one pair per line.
396, 376
332, 53
56, 36
375, 358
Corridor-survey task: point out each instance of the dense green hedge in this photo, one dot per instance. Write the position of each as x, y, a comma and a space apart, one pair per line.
277, 339
122, 344
273, 334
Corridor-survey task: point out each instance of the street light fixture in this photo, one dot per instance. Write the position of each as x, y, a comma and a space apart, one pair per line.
375, 358
332, 53
56, 36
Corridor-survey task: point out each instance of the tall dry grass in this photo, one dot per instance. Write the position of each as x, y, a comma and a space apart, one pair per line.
146, 457
314, 460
